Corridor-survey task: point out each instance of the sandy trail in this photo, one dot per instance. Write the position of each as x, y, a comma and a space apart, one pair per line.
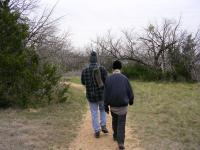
85, 139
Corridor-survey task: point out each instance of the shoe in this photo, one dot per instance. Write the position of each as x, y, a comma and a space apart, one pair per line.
121, 146
104, 129
97, 134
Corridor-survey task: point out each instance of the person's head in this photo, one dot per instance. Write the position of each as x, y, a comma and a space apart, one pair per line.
93, 57
117, 65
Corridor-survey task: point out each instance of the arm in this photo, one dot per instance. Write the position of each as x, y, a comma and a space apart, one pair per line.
83, 77
104, 74
106, 98
130, 93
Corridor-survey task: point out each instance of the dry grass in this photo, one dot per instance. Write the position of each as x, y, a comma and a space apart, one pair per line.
166, 116
53, 127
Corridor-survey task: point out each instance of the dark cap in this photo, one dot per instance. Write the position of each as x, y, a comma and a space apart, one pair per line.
117, 64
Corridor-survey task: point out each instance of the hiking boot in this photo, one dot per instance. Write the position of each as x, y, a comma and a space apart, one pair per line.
97, 134
104, 129
121, 146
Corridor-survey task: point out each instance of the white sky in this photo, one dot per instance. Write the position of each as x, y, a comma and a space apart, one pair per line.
87, 18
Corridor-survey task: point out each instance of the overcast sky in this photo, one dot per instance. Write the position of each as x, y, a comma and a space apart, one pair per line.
87, 18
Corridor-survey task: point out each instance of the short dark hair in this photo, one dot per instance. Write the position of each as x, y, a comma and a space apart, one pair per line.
117, 64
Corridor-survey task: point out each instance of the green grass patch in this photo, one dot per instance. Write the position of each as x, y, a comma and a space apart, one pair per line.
166, 115
75, 79
51, 127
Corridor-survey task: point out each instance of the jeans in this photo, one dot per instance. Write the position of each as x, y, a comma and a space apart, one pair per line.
118, 125
94, 107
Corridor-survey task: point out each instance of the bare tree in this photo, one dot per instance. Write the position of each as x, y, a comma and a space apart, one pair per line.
24, 7
191, 55
159, 47
150, 49
158, 40
125, 47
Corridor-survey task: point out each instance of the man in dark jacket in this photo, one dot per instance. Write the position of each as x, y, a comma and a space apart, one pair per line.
118, 94
94, 93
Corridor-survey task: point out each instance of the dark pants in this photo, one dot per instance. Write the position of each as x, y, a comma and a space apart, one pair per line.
118, 125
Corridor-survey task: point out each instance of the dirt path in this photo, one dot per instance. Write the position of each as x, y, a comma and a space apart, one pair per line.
74, 85
85, 139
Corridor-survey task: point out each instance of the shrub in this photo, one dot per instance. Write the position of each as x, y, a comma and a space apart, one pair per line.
140, 72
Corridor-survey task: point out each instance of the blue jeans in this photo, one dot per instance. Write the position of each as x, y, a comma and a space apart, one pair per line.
94, 107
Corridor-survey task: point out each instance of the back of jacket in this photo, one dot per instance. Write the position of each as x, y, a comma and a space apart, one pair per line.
93, 92
118, 91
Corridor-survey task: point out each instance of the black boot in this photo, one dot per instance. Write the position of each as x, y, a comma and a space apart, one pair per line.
104, 129
121, 146
97, 134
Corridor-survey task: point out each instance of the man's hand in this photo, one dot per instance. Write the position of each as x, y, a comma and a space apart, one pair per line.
106, 109
131, 102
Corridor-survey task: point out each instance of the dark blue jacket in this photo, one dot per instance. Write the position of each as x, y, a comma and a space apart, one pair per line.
118, 91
